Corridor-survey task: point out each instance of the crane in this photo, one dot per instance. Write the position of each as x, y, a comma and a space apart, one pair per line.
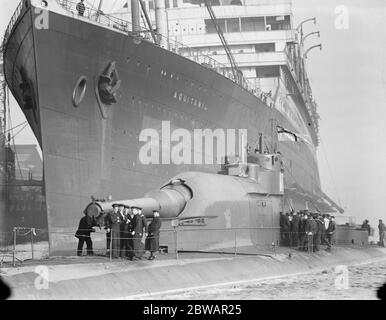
3, 97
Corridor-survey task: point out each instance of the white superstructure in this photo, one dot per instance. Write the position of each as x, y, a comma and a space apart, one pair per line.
265, 44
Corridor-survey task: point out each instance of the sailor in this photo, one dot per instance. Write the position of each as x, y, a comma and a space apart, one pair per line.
330, 232
310, 231
138, 233
130, 220
80, 7
281, 217
326, 222
83, 234
152, 241
285, 229
122, 227
319, 232
115, 218
107, 227
144, 222
124, 234
302, 232
382, 230
366, 226
295, 229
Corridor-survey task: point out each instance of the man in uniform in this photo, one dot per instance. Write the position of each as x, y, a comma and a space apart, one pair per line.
124, 228
115, 218
302, 231
295, 230
319, 232
138, 233
310, 231
326, 221
152, 242
330, 232
285, 229
107, 227
366, 226
382, 230
80, 7
131, 220
84, 234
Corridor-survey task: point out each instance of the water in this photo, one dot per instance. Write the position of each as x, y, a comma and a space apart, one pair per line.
363, 283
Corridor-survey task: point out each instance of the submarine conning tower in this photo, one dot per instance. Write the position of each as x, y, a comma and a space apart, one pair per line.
199, 194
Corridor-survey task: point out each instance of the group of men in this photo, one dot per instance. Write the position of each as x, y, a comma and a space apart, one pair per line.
306, 230
126, 228
381, 229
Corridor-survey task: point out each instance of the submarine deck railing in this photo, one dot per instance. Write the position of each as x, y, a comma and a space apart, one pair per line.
30, 244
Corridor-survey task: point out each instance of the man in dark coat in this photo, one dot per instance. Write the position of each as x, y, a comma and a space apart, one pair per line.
152, 241
107, 227
138, 233
131, 223
83, 234
366, 226
302, 232
295, 230
80, 7
319, 232
330, 232
382, 231
285, 229
115, 218
310, 231
124, 235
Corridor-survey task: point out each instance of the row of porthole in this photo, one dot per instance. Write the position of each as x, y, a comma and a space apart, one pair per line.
177, 77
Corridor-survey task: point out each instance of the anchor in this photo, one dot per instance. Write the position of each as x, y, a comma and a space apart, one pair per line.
107, 87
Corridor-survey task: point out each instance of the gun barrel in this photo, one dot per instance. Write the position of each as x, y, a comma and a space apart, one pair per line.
170, 201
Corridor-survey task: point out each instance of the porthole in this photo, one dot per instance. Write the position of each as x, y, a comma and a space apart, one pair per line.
79, 91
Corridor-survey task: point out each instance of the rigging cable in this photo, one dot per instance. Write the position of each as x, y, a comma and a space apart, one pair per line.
13, 139
19, 125
330, 172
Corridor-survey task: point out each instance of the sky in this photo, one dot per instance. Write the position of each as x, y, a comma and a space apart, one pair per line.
348, 79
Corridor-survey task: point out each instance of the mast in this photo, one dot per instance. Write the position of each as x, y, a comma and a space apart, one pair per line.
161, 22
148, 22
99, 10
135, 23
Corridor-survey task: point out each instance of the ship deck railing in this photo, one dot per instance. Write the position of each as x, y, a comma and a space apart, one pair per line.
12, 22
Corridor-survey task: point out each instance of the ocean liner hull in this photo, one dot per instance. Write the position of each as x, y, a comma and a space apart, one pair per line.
93, 149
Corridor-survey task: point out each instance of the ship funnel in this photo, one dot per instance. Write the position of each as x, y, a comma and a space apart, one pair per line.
135, 22
161, 23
